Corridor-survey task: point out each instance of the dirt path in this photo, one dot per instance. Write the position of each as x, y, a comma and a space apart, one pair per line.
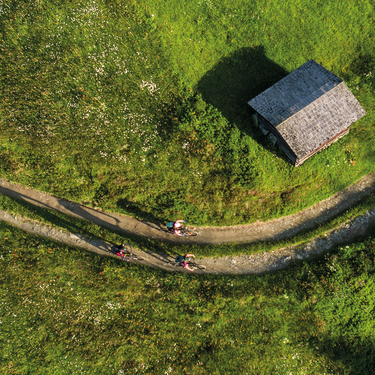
243, 264
246, 264
277, 229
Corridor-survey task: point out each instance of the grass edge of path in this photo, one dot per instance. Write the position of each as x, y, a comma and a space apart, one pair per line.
70, 224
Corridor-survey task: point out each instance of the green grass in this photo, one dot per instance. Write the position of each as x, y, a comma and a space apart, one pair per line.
141, 107
79, 226
67, 311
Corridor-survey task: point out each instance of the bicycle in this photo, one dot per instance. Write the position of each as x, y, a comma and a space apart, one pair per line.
127, 252
190, 261
183, 230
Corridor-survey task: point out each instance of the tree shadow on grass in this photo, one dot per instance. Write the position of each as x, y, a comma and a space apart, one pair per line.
234, 81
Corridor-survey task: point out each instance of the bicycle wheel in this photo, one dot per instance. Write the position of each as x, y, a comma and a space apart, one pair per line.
188, 232
128, 249
200, 266
135, 257
195, 266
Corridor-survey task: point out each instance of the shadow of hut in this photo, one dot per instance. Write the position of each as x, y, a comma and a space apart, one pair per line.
235, 80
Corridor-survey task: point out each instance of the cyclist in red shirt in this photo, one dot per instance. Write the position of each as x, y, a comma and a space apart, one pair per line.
181, 260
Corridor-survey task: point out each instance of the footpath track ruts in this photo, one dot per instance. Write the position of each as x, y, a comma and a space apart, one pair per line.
150, 259
241, 264
276, 229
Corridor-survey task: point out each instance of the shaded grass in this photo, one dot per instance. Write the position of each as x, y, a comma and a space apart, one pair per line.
70, 311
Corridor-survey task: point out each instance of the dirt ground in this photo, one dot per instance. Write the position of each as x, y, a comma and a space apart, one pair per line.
247, 264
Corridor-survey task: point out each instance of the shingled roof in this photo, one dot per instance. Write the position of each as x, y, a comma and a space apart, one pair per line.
307, 110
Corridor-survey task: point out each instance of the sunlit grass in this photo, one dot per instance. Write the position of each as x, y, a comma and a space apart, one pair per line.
68, 311
141, 107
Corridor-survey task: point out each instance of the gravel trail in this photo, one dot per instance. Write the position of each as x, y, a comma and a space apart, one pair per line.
245, 264
276, 229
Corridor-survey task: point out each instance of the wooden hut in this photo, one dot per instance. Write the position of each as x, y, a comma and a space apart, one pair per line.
307, 110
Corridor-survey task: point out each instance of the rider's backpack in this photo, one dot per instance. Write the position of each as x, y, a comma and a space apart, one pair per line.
116, 248
170, 225
179, 259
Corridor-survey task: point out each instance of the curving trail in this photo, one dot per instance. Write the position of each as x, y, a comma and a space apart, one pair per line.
242, 264
259, 231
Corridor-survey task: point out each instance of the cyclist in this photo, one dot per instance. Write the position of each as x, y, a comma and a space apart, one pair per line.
175, 227
181, 260
119, 251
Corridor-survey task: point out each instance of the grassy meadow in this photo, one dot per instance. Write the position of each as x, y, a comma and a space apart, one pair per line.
140, 107
66, 311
